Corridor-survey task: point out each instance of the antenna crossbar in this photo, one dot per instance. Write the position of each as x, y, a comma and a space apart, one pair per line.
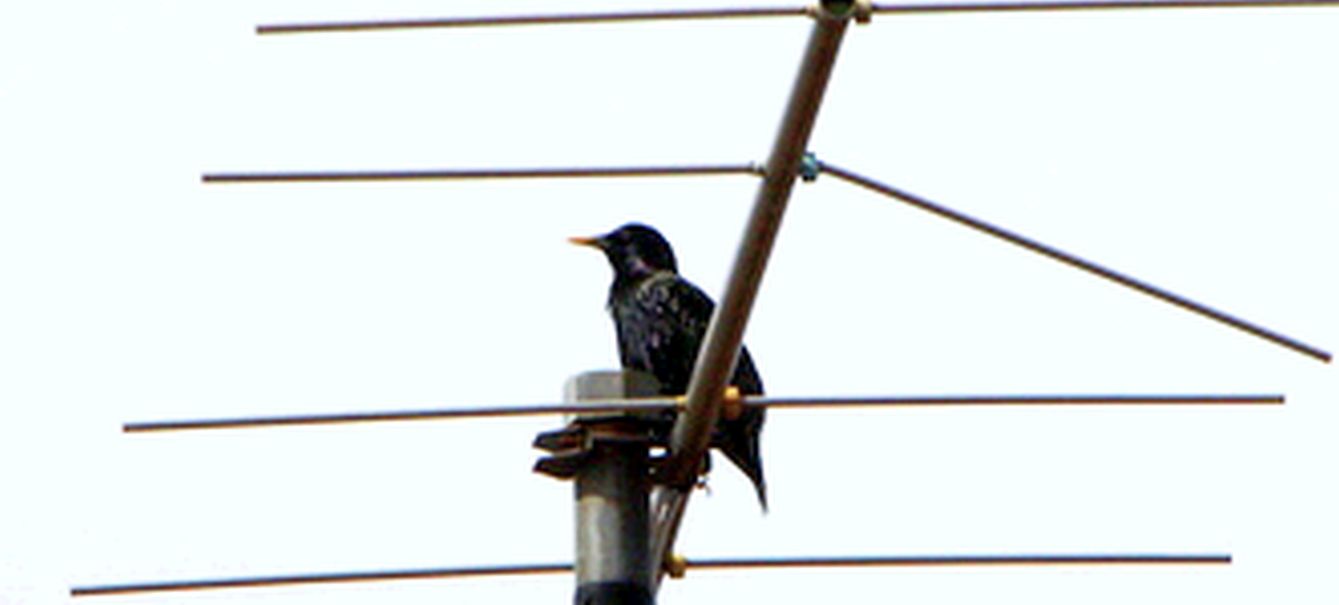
1018, 7
480, 173
651, 404
551, 19
690, 564
784, 11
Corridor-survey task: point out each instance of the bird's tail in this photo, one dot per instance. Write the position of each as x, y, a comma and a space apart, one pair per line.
739, 441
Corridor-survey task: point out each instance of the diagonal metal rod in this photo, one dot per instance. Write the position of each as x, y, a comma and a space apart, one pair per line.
600, 17
473, 174
664, 403
700, 564
1079, 263
720, 347
1015, 7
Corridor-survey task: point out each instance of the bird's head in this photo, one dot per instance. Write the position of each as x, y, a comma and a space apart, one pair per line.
633, 250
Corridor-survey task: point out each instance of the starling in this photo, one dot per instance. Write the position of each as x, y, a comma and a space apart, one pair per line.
661, 320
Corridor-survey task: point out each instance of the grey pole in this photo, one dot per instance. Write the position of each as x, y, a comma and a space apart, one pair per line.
716, 359
606, 453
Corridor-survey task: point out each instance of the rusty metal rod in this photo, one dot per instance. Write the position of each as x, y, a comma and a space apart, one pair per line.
664, 403
789, 11
962, 561
720, 347
600, 17
317, 578
1001, 7
482, 173
942, 401
1076, 262
386, 416
701, 564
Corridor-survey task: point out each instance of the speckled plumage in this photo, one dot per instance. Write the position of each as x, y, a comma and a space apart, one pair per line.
661, 320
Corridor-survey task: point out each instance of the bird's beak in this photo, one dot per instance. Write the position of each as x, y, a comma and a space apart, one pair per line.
593, 242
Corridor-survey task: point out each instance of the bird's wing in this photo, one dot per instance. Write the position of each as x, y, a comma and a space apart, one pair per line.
746, 375
661, 326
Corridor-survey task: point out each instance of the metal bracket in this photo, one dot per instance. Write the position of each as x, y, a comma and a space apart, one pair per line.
864, 11
676, 566
810, 167
571, 446
859, 10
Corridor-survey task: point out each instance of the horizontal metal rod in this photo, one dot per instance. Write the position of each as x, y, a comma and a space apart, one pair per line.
1001, 7
789, 11
365, 417
1021, 400
1079, 263
663, 403
483, 173
700, 564
600, 17
964, 560
317, 578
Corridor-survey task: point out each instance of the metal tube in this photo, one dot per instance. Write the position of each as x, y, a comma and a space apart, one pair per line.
482, 173
692, 564
1078, 263
612, 527
1003, 7
390, 575
965, 560
785, 11
612, 484
650, 404
606, 17
716, 359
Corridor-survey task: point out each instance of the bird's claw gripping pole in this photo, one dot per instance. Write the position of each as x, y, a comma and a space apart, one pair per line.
720, 349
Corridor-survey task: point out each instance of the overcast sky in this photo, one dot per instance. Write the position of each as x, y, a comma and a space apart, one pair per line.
1196, 150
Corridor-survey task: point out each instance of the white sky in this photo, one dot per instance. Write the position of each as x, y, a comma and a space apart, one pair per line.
1196, 150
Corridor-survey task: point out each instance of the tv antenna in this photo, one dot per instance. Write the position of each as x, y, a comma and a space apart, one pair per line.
625, 538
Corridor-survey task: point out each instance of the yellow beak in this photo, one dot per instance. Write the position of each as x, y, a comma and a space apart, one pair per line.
593, 242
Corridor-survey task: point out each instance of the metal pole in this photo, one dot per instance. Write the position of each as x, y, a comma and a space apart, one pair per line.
716, 359
612, 483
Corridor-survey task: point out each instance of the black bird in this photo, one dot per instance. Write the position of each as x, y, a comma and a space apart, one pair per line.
661, 321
